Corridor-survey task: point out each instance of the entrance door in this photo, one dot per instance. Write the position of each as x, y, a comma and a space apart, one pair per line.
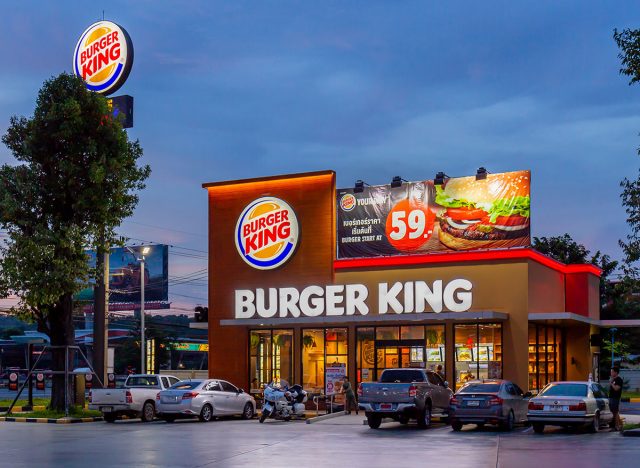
392, 354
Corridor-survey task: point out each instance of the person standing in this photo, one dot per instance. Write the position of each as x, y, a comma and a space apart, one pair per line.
350, 396
615, 394
440, 371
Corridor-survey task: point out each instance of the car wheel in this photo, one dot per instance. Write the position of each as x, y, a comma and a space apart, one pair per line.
248, 412
109, 417
264, 415
374, 421
424, 419
148, 412
595, 424
538, 428
456, 426
206, 413
509, 423
169, 419
403, 419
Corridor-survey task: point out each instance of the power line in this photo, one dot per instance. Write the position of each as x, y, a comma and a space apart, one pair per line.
167, 229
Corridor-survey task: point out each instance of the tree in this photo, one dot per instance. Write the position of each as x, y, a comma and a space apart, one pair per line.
76, 181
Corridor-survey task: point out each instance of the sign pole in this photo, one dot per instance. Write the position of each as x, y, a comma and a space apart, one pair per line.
142, 343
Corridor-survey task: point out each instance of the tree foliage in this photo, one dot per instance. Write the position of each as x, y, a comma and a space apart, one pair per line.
75, 181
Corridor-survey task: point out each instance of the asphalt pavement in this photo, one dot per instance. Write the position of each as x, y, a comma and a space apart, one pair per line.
341, 441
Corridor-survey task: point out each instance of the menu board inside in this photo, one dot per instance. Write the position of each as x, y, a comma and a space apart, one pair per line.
463, 213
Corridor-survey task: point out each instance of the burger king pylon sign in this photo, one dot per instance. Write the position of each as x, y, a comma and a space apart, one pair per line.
267, 233
103, 57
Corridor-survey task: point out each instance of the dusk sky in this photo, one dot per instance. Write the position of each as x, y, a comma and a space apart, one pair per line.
239, 89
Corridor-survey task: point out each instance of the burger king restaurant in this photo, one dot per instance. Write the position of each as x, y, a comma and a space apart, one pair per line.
307, 281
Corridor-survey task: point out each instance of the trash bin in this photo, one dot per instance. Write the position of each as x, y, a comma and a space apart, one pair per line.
79, 389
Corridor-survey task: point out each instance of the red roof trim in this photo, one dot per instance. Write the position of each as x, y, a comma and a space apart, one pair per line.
463, 257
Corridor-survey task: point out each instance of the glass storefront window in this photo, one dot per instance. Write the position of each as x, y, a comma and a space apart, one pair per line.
478, 352
435, 350
380, 348
322, 348
544, 355
365, 354
313, 359
270, 355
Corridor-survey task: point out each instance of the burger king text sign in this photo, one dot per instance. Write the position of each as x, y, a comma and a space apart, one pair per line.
103, 57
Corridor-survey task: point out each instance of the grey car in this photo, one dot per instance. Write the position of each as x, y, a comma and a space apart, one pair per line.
205, 399
569, 404
481, 402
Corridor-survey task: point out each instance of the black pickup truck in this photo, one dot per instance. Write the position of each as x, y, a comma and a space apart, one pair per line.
404, 394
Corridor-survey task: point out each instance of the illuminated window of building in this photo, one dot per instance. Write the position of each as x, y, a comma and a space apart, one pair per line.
544, 355
270, 355
313, 359
322, 348
478, 352
380, 348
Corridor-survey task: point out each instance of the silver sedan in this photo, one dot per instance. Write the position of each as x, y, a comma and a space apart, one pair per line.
570, 404
205, 399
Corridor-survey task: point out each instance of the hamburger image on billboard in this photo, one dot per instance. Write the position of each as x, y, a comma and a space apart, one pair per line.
103, 57
267, 233
486, 213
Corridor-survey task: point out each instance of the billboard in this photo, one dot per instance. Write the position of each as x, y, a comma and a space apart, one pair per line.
462, 213
124, 278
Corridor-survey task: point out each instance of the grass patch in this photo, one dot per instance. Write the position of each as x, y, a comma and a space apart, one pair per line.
74, 412
626, 394
631, 426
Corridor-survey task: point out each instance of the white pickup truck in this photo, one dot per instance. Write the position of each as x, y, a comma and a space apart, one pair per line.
137, 399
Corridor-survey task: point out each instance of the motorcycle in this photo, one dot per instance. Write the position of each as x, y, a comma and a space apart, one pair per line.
283, 402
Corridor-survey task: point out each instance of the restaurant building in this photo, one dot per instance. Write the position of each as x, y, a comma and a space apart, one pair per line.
286, 303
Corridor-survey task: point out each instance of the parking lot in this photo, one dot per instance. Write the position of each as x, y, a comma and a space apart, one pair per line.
338, 441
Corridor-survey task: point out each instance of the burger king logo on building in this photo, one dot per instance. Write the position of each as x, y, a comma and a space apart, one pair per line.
267, 233
348, 202
103, 57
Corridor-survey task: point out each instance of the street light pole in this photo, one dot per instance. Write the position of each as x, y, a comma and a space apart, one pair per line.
145, 250
612, 331
143, 369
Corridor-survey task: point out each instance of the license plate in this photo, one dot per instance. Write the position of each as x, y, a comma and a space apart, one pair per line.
385, 406
106, 409
556, 408
473, 403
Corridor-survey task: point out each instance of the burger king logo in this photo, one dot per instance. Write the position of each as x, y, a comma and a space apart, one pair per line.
267, 233
103, 57
348, 202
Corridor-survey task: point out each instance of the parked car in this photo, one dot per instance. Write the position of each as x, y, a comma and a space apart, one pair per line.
205, 399
481, 402
570, 404
137, 398
404, 394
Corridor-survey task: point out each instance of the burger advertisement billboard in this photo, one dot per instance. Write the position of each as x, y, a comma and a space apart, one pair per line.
462, 213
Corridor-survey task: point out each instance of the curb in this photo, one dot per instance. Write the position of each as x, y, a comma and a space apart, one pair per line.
322, 417
631, 433
51, 420
4, 409
630, 400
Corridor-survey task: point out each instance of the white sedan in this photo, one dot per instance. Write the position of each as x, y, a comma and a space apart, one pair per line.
570, 404
205, 399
